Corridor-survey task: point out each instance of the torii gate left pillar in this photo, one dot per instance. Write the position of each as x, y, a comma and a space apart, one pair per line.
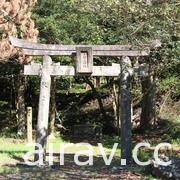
43, 110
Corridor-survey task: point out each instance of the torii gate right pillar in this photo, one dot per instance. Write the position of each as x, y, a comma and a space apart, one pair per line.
125, 110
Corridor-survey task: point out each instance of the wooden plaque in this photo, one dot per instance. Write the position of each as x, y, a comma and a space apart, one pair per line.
84, 60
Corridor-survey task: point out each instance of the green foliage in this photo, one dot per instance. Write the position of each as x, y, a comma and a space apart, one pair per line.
144, 155
2, 103
78, 89
171, 132
170, 84
139, 22
63, 22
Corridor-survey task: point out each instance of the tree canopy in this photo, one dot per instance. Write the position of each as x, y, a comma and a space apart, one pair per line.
112, 22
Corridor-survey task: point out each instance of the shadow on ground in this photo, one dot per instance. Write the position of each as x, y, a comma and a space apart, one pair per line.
70, 170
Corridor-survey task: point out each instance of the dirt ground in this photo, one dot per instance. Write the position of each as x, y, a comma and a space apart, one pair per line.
70, 171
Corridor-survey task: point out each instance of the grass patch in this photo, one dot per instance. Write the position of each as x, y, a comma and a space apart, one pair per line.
107, 143
12, 151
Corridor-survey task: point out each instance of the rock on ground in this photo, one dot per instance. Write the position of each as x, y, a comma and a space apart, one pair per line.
171, 171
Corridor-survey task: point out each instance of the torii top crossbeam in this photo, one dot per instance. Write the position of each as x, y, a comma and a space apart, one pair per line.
34, 49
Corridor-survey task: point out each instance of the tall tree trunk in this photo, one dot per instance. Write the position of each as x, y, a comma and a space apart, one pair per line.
52, 113
11, 99
115, 97
148, 103
101, 106
20, 103
97, 82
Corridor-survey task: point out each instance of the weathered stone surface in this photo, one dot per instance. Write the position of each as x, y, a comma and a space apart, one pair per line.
166, 172
89, 131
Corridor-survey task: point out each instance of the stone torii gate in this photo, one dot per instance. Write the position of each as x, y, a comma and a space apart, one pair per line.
84, 66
